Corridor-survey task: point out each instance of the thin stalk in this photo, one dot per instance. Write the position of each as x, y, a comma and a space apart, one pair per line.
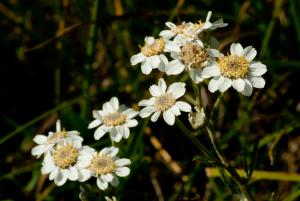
196, 93
198, 144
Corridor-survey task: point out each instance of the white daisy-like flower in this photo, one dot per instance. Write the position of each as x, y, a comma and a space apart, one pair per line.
62, 163
237, 70
114, 119
46, 143
105, 166
174, 29
113, 198
193, 31
193, 57
152, 54
164, 101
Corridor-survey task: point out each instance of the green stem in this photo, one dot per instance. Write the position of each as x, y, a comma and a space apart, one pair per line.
199, 145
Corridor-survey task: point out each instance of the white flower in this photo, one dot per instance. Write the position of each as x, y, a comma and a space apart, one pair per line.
105, 166
237, 70
46, 143
62, 163
110, 199
114, 119
152, 54
164, 101
174, 30
188, 32
193, 57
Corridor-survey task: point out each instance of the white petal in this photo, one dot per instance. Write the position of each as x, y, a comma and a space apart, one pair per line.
94, 124
257, 71
147, 111
238, 84
53, 174
58, 125
138, 58
48, 165
155, 61
108, 108
38, 150
122, 171
131, 123
99, 133
115, 182
108, 177
115, 135
124, 131
73, 174
102, 184
162, 85
257, 64
170, 25
216, 83
183, 106
84, 175
236, 49
249, 53
60, 178
227, 83
114, 103
248, 88
213, 52
163, 62
174, 67
110, 151
155, 116
211, 71
196, 75
146, 102
146, 66
155, 90
40, 139
169, 117
122, 162
257, 82
167, 34
130, 113
177, 89
170, 46
175, 110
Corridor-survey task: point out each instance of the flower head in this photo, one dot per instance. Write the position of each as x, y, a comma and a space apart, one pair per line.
164, 101
62, 162
193, 57
237, 70
46, 143
114, 119
152, 54
105, 166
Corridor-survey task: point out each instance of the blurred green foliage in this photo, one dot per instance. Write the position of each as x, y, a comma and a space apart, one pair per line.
65, 58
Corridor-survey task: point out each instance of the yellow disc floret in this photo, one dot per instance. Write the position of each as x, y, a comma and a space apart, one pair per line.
234, 66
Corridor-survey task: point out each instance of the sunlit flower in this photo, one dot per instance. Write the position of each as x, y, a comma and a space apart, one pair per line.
62, 162
193, 57
46, 143
114, 119
237, 70
164, 101
105, 166
152, 54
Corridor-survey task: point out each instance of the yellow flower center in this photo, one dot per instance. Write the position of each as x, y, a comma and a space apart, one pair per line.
194, 56
57, 136
233, 66
164, 102
65, 156
101, 164
155, 48
114, 119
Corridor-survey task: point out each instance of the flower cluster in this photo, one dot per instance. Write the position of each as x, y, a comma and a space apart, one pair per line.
189, 47
65, 158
